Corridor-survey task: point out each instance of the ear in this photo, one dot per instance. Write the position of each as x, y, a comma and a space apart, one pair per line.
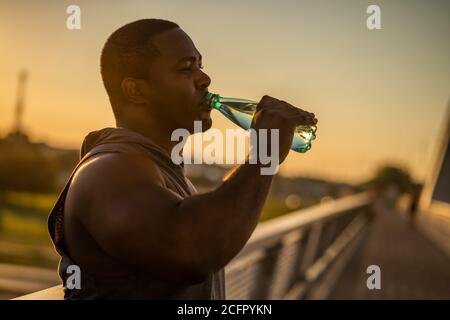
133, 90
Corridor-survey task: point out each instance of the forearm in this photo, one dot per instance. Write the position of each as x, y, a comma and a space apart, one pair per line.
216, 225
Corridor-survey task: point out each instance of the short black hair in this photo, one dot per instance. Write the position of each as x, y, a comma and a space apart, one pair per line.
128, 52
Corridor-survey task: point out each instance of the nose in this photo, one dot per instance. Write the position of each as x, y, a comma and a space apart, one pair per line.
204, 81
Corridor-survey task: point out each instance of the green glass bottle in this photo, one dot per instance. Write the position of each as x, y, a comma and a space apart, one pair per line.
241, 111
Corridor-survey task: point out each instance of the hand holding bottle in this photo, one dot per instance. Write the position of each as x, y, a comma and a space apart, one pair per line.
272, 113
241, 112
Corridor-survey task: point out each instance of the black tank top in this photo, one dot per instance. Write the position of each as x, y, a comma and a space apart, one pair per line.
136, 284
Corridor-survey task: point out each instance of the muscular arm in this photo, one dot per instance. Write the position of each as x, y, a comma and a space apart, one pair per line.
227, 216
137, 220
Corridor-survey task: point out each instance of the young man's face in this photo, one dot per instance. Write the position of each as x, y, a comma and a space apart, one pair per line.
177, 85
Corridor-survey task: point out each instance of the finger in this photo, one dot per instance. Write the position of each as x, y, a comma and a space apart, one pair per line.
299, 112
310, 115
266, 99
307, 112
304, 119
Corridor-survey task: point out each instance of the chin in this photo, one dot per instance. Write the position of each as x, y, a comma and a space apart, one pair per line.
205, 118
206, 124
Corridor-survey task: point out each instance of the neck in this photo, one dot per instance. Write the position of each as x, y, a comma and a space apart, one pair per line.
153, 130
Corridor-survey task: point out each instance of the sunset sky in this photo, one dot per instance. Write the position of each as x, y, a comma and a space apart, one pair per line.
380, 96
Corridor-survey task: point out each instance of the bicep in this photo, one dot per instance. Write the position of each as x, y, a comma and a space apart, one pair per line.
138, 228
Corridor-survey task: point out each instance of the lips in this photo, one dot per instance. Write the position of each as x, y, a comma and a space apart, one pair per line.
204, 104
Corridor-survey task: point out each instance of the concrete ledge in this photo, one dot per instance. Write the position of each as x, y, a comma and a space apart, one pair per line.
53, 293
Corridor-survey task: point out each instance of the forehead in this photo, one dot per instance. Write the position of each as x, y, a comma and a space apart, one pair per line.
174, 45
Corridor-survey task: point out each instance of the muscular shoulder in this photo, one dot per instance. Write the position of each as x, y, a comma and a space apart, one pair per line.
112, 175
116, 169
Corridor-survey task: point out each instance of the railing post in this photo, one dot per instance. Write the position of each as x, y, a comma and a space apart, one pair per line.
311, 246
241, 276
286, 262
266, 272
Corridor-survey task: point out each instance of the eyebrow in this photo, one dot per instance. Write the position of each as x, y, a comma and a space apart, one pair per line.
190, 58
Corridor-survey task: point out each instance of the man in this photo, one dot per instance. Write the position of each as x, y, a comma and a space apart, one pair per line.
128, 217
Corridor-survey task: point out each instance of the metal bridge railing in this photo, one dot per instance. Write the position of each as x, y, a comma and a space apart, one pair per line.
298, 255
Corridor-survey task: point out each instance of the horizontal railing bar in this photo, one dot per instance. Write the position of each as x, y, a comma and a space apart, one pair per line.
269, 232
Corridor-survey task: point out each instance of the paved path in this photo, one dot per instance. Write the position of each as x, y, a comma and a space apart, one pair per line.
411, 266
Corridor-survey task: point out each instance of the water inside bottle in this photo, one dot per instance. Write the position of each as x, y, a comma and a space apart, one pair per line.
241, 111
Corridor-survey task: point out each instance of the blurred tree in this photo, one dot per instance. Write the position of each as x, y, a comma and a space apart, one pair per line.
26, 169
390, 182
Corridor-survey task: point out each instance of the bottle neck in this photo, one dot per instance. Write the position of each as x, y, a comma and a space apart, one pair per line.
213, 100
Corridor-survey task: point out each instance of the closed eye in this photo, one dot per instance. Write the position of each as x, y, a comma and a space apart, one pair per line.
191, 67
